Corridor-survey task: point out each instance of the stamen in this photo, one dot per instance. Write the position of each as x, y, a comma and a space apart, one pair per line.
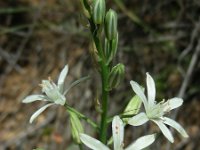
50, 80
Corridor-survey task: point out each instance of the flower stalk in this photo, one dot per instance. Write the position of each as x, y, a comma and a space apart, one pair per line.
104, 71
82, 116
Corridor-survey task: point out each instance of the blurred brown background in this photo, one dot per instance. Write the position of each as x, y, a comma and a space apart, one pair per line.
38, 37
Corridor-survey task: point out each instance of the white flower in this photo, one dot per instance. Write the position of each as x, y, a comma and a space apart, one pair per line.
156, 111
54, 94
118, 137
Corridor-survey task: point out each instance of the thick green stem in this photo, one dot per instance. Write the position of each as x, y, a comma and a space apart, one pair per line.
103, 126
80, 146
104, 80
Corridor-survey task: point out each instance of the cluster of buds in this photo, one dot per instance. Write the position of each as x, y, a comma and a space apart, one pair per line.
95, 11
102, 21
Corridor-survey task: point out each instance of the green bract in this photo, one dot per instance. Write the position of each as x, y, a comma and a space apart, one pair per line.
111, 24
99, 10
156, 111
54, 94
118, 137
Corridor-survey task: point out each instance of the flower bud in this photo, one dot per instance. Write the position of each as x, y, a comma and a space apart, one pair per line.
111, 25
111, 49
99, 10
133, 107
76, 127
116, 76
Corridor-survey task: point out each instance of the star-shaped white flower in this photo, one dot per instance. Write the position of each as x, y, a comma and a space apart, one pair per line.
156, 111
54, 94
118, 137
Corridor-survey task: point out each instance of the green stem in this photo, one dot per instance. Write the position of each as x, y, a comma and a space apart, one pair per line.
80, 146
92, 123
103, 126
104, 80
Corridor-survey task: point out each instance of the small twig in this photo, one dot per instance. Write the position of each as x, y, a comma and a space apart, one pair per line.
194, 36
190, 71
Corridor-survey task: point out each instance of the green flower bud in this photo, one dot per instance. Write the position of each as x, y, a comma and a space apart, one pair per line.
110, 49
99, 10
116, 76
133, 107
111, 25
76, 127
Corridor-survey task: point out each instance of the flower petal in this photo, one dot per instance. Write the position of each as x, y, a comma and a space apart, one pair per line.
164, 130
138, 120
61, 78
92, 142
142, 142
151, 90
118, 133
32, 98
172, 104
176, 126
39, 111
137, 89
